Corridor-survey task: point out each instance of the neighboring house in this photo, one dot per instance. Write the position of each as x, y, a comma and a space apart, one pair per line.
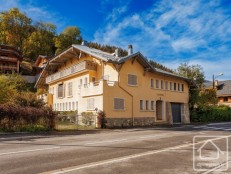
10, 59
128, 89
223, 91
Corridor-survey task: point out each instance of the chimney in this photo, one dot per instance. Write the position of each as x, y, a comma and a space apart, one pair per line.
216, 83
117, 52
84, 43
130, 50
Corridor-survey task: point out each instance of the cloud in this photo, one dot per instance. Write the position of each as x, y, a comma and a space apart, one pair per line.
193, 31
36, 13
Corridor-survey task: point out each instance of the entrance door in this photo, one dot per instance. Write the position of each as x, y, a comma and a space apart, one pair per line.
159, 109
176, 112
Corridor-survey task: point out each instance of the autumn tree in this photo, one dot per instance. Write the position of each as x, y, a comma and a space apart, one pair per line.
70, 35
14, 28
41, 40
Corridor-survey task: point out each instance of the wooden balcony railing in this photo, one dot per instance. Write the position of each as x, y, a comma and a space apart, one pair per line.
85, 65
11, 59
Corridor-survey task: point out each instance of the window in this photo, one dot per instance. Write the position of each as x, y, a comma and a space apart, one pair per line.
76, 106
152, 83
162, 84
174, 86
80, 82
141, 105
58, 106
166, 85
171, 88
85, 80
90, 104
93, 79
147, 105
60, 90
70, 89
178, 87
152, 105
66, 106
73, 106
132, 80
69, 106
182, 87
118, 104
157, 83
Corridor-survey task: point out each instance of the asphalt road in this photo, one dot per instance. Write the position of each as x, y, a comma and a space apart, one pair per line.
121, 151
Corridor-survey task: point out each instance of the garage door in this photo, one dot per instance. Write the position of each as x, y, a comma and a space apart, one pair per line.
176, 112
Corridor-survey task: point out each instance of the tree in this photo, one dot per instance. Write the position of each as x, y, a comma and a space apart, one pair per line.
198, 97
70, 35
10, 85
41, 40
193, 72
15, 28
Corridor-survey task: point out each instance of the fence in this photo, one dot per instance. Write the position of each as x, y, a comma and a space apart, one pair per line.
76, 122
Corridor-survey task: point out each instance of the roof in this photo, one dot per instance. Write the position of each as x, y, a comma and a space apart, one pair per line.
77, 50
225, 88
41, 57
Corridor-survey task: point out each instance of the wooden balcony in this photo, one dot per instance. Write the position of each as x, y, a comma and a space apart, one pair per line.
6, 59
85, 65
3, 67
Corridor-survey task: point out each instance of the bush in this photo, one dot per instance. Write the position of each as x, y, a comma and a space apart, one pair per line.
14, 117
87, 118
211, 114
102, 119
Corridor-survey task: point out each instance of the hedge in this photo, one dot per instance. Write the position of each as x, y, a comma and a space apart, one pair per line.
14, 117
211, 114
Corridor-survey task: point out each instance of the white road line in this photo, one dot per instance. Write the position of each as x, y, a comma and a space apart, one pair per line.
101, 142
70, 169
32, 150
215, 168
217, 128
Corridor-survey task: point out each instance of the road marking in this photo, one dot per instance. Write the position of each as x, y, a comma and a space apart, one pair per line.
94, 164
217, 128
33, 150
101, 142
217, 167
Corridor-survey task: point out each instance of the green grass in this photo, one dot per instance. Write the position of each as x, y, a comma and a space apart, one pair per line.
62, 127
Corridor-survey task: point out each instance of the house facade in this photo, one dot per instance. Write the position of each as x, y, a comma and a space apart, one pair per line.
128, 89
10, 59
223, 89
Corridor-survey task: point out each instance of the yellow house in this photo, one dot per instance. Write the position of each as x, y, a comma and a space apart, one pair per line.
128, 89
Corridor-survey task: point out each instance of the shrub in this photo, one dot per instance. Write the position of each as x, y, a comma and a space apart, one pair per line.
87, 118
14, 117
102, 119
211, 114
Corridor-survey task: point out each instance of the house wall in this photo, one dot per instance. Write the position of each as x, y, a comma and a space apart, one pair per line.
143, 91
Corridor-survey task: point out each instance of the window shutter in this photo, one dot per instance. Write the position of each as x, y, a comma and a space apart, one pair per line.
118, 103
132, 79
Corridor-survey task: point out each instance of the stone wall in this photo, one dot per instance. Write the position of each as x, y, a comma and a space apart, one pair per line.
185, 116
127, 122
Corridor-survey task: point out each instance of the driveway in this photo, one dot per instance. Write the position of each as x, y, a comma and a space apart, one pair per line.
125, 151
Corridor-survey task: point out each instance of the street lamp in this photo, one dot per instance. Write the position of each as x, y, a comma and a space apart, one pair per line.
214, 77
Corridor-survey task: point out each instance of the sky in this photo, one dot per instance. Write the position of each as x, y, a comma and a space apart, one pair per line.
170, 32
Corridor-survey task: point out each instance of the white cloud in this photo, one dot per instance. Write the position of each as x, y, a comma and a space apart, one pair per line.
195, 31
36, 13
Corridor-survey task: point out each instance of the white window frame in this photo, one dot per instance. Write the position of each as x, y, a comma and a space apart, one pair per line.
147, 105
157, 84
152, 83
70, 89
91, 104
166, 85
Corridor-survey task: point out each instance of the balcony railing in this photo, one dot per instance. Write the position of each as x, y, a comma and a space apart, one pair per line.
85, 65
11, 59
8, 67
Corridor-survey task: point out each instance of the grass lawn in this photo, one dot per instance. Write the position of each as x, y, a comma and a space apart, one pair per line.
73, 127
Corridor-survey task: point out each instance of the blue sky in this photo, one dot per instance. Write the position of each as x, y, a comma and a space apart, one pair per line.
169, 31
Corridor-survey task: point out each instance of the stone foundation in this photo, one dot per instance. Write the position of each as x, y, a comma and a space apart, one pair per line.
127, 122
